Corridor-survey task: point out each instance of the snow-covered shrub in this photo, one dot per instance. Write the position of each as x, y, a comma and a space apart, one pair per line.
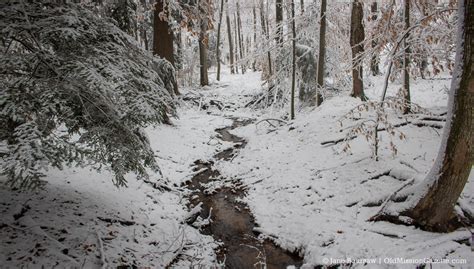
75, 89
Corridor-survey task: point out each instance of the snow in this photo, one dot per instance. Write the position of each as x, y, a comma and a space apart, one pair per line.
317, 200
70, 204
306, 197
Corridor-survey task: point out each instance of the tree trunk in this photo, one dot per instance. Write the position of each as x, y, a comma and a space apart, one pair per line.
302, 6
449, 175
163, 36
357, 37
322, 54
430, 205
279, 20
218, 49
204, 78
406, 62
239, 33
293, 74
265, 31
145, 39
254, 11
229, 37
374, 61
236, 36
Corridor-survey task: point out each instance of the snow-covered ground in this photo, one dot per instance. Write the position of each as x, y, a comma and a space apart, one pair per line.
317, 199
307, 197
60, 224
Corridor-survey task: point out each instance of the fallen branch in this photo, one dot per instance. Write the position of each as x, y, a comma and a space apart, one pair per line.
417, 123
377, 176
102, 253
381, 214
122, 222
271, 119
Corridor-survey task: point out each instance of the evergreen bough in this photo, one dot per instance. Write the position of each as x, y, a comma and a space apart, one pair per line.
75, 89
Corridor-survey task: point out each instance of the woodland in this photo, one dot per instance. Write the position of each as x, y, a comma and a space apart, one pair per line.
236, 134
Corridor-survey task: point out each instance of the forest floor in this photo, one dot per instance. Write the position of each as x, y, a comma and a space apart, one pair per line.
297, 196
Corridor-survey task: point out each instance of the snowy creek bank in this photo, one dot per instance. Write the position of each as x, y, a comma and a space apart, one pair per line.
219, 212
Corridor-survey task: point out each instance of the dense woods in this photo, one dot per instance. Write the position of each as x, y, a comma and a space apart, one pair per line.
329, 113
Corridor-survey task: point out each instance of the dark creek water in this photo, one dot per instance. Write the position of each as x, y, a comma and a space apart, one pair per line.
232, 223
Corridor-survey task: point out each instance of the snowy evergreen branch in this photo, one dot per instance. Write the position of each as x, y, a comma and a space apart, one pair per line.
75, 89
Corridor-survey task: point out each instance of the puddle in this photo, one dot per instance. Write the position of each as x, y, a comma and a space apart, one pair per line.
232, 222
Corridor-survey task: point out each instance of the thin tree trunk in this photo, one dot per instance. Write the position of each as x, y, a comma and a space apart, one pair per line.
163, 37
357, 37
229, 37
254, 11
279, 20
302, 6
239, 32
145, 39
236, 36
293, 73
406, 62
143, 27
322, 53
265, 31
218, 49
204, 78
374, 61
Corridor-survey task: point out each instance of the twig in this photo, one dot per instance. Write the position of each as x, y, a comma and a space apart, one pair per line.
268, 120
102, 253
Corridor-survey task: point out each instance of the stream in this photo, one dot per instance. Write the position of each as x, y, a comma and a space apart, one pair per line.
232, 222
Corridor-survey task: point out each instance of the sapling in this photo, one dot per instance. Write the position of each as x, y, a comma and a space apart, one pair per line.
371, 117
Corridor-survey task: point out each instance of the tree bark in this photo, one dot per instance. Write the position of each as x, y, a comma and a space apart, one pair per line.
163, 36
322, 54
356, 39
239, 33
204, 78
218, 49
254, 11
293, 73
374, 61
279, 20
236, 36
430, 205
265, 32
229, 37
406, 62
449, 175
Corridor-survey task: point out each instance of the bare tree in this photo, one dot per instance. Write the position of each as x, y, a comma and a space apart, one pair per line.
203, 41
374, 61
279, 21
239, 37
254, 13
229, 37
236, 38
265, 32
322, 53
406, 61
218, 49
357, 39
293, 65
